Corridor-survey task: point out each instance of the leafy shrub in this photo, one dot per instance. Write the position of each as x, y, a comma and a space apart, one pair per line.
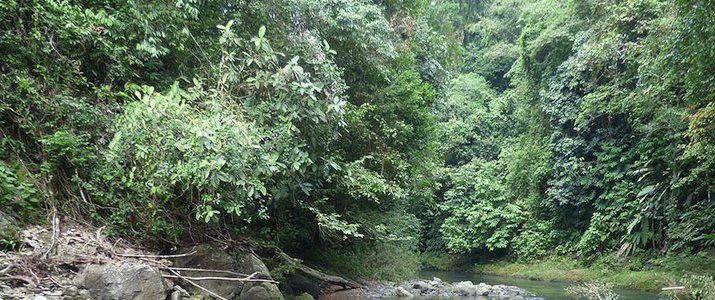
593, 291
480, 215
387, 251
535, 240
163, 146
371, 259
18, 194
697, 287
693, 227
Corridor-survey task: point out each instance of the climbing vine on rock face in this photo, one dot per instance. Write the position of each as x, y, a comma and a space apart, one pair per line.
480, 215
615, 143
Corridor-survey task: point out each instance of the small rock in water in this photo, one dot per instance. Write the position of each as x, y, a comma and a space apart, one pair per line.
437, 289
402, 292
464, 288
436, 282
423, 286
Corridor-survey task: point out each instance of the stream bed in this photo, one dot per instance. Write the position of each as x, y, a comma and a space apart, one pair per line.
546, 289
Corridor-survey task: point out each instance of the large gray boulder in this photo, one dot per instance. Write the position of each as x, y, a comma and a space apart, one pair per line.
8, 227
249, 263
206, 256
122, 280
261, 291
210, 257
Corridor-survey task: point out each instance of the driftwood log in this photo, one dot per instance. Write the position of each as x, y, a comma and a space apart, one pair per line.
325, 282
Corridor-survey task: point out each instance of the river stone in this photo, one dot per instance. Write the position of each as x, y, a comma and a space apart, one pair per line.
297, 283
8, 227
304, 296
207, 256
249, 263
122, 281
436, 282
468, 289
402, 292
423, 286
261, 291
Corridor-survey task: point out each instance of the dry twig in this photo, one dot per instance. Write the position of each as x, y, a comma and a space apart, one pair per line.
207, 270
55, 232
187, 280
6, 269
247, 279
155, 256
18, 278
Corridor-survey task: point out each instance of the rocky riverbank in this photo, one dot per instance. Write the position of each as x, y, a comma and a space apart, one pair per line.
74, 261
436, 288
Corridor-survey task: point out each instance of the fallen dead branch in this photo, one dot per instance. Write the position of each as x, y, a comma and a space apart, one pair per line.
55, 233
328, 280
191, 282
206, 270
18, 278
56, 282
247, 279
673, 288
155, 255
6, 269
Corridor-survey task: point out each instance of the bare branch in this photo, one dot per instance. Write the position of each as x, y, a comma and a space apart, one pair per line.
155, 256
247, 279
207, 270
191, 282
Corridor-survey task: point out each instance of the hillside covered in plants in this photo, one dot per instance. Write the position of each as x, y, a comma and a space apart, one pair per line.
371, 138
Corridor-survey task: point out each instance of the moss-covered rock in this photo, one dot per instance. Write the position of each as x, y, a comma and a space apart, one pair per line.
304, 296
9, 229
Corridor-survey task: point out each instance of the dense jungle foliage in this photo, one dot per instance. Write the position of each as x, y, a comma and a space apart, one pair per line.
358, 133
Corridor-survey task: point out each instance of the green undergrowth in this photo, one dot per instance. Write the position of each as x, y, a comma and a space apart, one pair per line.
436, 261
652, 273
372, 261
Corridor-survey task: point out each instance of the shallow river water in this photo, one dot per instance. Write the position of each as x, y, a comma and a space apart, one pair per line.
547, 289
